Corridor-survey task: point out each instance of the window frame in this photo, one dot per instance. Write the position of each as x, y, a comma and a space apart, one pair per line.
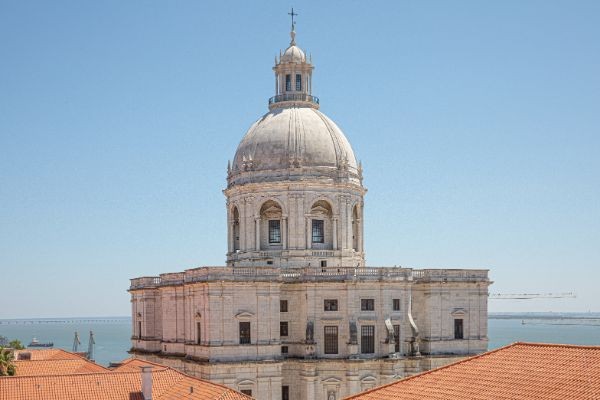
459, 329
283, 306
333, 305
284, 328
288, 82
397, 338
298, 82
330, 339
367, 304
395, 304
274, 232
318, 231
367, 339
245, 339
198, 332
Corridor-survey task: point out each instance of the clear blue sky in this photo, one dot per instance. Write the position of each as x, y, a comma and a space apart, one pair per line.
478, 125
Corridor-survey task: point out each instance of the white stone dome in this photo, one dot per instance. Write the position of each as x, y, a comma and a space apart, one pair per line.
293, 54
293, 143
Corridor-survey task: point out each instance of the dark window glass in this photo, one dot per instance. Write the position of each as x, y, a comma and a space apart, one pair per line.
367, 339
140, 329
318, 231
244, 332
298, 82
283, 306
367, 304
396, 304
284, 349
246, 391
330, 305
397, 338
283, 328
458, 329
331, 340
198, 332
288, 83
274, 231
285, 393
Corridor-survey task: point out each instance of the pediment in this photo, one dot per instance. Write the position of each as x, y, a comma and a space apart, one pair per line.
369, 379
319, 210
332, 380
244, 315
458, 312
272, 212
246, 382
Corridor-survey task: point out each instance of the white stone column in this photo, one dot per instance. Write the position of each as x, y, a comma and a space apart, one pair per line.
284, 231
308, 233
335, 233
359, 241
257, 233
230, 236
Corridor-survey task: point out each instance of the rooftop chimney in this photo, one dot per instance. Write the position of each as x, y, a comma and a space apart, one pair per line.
147, 382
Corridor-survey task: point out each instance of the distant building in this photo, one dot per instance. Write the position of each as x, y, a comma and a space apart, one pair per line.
527, 371
295, 314
59, 375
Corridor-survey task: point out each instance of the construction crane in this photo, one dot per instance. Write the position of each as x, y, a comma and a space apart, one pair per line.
91, 343
76, 342
529, 296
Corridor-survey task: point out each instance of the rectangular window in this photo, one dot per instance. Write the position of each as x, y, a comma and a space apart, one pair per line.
288, 83
198, 333
367, 339
331, 339
283, 328
244, 332
284, 349
274, 231
330, 305
396, 304
283, 306
247, 391
139, 329
397, 338
298, 82
458, 328
318, 231
285, 393
367, 304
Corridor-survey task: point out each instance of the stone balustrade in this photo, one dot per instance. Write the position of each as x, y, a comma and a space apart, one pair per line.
308, 274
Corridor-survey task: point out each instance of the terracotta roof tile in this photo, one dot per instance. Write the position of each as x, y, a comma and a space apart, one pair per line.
48, 354
521, 371
50, 379
56, 367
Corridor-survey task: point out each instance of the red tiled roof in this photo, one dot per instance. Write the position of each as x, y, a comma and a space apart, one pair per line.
56, 367
48, 354
521, 371
123, 383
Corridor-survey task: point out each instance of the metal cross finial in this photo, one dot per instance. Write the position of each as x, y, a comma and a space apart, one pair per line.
293, 14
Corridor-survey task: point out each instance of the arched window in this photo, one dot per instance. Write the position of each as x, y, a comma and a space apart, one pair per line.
321, 227
270, 226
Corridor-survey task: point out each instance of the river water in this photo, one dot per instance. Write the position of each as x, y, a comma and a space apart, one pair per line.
112, 334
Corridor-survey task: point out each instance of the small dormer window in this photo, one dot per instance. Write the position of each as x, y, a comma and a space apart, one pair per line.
288, 82
298, 82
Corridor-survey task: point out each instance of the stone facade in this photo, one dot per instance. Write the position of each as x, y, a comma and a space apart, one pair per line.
295, 313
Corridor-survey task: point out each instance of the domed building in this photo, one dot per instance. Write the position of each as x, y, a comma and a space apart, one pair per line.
294, 189
295, 313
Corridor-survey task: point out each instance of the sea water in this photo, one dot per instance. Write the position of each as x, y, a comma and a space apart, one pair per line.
112, 334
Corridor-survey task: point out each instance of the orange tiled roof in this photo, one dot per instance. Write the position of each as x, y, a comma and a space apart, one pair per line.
48, 354
125, 384
520, 371
135, 364
56, 367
